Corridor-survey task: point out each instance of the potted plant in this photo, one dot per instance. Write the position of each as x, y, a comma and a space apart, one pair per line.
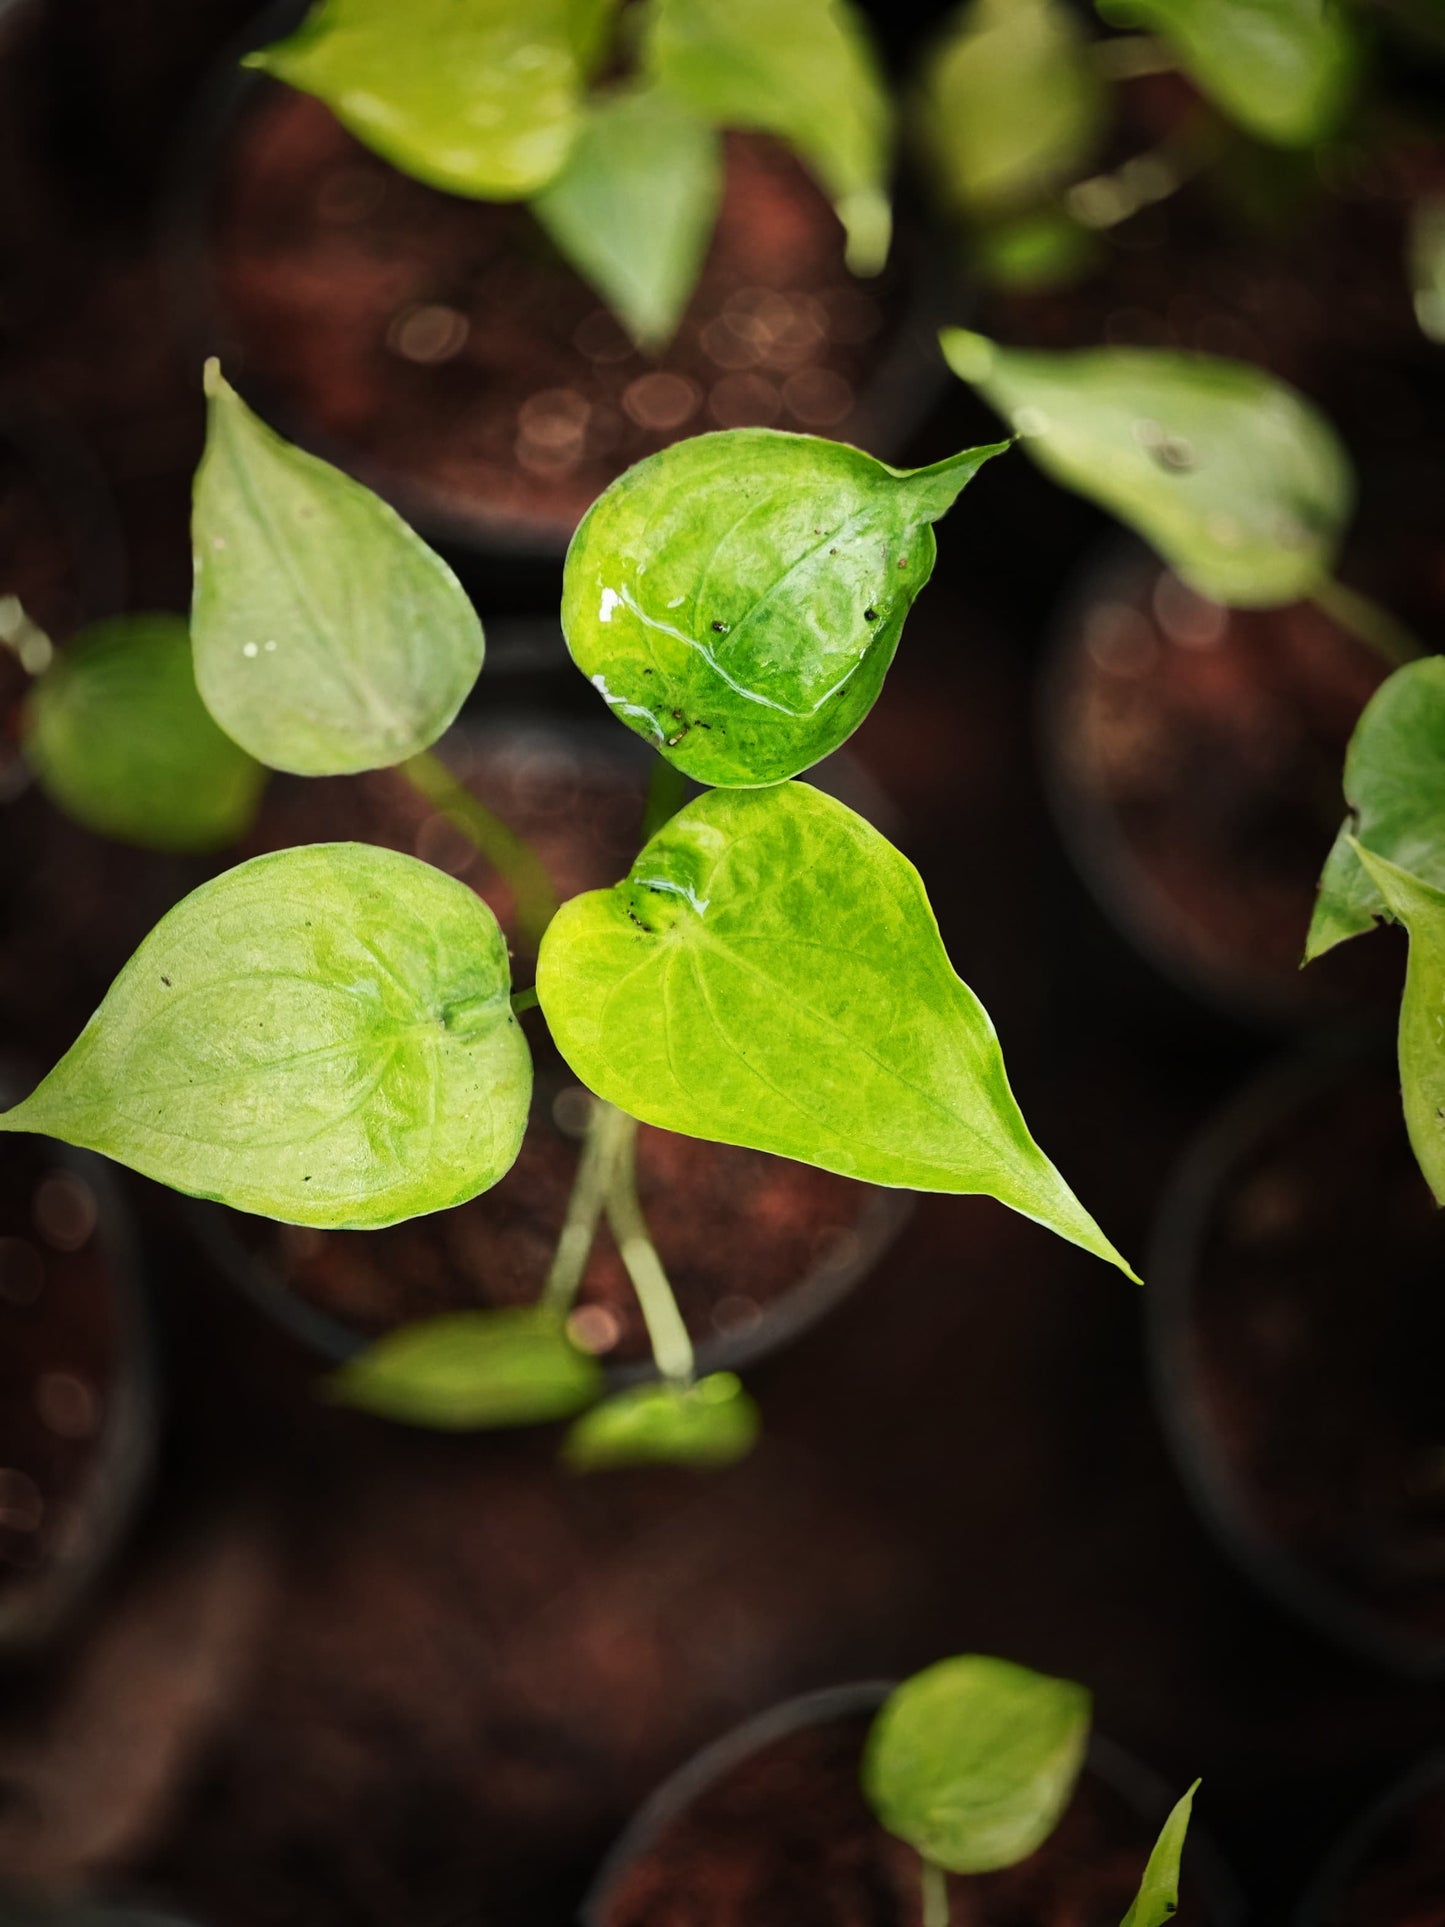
328, 1035
489, 265
972, 1791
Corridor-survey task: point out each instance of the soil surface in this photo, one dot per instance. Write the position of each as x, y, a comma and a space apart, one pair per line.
787, 1840
60, 1349
1318, 1324
444, 345
737, 1230
1198, 755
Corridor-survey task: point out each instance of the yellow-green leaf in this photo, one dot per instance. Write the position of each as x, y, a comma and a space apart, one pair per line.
1421, 908
473, 1369
712, 1423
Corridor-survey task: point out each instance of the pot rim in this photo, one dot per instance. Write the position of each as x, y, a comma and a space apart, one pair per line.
1184, 1210
1120, 1770
898, 396
1315, 1906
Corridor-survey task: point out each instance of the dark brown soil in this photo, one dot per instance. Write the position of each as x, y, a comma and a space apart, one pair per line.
443, 345
1319, 1327
1198, 755
787, 1840
59, 1352
738, 1230
1402, 1880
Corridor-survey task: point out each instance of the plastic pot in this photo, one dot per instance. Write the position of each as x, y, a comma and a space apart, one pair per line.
1295, 1331
1112, 1782
807, 1237
1388, 1869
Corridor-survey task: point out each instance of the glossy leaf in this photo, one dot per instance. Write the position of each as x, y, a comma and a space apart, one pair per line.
974, 1760
119, 738
770, 974
800, 69
328, 637
1282, 68
712, 1423
1010, 105
473, 1369
482, 99
322, 1035
737, 598
1157, 1900
635, 206
1421, 908
1395, 789
1232, 476
1426, 255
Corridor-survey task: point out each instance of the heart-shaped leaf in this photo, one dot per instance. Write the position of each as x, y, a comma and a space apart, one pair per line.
803, 70
737, 598
482, 99
1010, 104
1282, 68
1421, 908
634, 207
473, 1369
119, 738
712, 1423
1157, 1900
328, 637
974, 1760
771, 974
323, 1035
1235, 479
1395, 787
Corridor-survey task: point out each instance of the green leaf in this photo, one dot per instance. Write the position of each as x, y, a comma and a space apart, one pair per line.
473, 1369
973, 1761
712, 1423
328, 637
770, 974
737, 598
1421, 908
1010, 104
1282, 68
322, 1035
634, 208
1232, 476
119, 739
1158, 1897
1395, 788
803, 70
1426, 257
481, 98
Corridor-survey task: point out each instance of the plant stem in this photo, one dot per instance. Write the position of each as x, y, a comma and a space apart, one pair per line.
25, 639
514, 861
596, 1173
525, 1000
1131, 57
1391, 641
665, 793
935, 1893
671, 1346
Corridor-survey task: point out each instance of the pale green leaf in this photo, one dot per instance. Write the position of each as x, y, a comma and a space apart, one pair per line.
480, 97
322, 1035
119, 738
1421, 908
634, 207
974, 1760
737, 598
473, 1369
771, 974
1426, 256
1282, 68
1395, 789
1237, 481
328, 637
1157, 1900
712, 1423
1010, 105
803, 70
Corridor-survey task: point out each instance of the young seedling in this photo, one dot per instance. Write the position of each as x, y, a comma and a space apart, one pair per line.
973, 1763
328, 1035
1389, 861
500, 101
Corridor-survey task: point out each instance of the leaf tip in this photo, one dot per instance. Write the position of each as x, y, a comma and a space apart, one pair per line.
212, 380
970, 356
